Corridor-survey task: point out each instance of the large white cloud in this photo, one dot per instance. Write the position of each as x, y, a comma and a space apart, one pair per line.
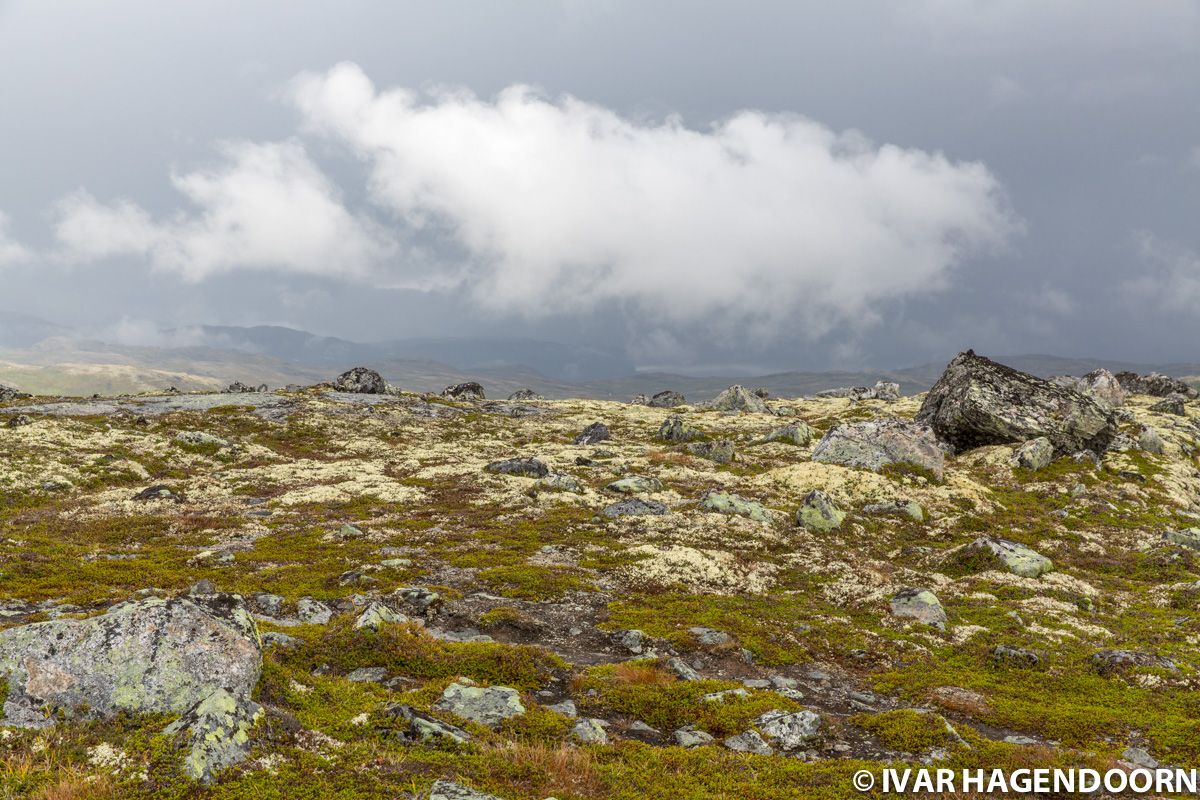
11, 251
759, 221
266, 206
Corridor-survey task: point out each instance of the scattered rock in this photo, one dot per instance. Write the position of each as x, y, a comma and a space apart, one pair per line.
1139, 757
875, 444
921, 605
157, 492
524, 467
19, 421
635, 484
1184, 537
797, 433
416, 727
903, 508
559, 482
1172, 404
149, 656
749, 742
313, 612
682, 670
217, 729
360, 380
728, 503
882, 390
1034, 454
1017, 558
675, 431
1108, 662
596, 432
8, 393
719, 451
524, 395
448, 790
565, 708
589, 731
689, 737
818, 512
790, 730
1154, 384
200, 439
488, 706
1016, 656
979, 402
738, 398
709, 637
1150, 441
469, 391
376, 615
667, 399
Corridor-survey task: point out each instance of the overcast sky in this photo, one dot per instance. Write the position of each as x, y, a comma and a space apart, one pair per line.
762, 185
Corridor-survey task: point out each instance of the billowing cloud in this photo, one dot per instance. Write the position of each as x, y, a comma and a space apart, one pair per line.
761, 221
266, 206
11, 251
1172, 278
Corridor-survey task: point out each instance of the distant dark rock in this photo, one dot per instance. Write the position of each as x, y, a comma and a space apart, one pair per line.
675, 431
360, 380
596, 432
1153, 384
237, 387
978, 402
720, 451
525, 467
521, 395
19, 421
667, 399
157, 492
1108, 662
1015, 656
1171, 404
464, 391
9, 393
882, 390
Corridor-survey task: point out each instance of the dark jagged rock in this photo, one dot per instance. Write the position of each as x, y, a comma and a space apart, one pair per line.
9, 393
157, 492
667, 399
521, 395
674, 430
464, 391
360, 380
1172, 404
634, 507
1153, 384
525, 467
720, 451
978, 402
1108, 662
596, 432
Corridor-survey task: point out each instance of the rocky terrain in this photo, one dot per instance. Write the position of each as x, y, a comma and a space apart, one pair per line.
352, 591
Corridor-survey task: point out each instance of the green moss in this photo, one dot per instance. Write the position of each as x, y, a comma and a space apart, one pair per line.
528, 582
905, 730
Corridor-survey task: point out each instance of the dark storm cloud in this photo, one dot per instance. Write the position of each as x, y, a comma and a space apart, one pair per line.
1024, 178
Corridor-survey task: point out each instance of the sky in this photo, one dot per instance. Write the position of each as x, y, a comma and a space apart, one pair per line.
701, 186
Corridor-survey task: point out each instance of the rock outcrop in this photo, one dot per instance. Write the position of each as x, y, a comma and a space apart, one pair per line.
360, 380
978, 402
150, 656
738, 398
1154, 384
468, 391
875, 444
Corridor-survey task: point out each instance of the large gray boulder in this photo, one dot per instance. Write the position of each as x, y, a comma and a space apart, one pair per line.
152, 656
875, 444
9, 393
464, 391
979, 402
360, 380
1153, 384
738, 398
488, 706
667, 399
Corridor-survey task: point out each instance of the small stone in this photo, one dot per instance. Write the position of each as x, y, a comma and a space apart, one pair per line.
790, 730
749, 742
1017, 558
635, 484
566, 708
734, 504
313, 612
709, 637
682, 670
690, 737
596, 432
818, 513
589, 731
634, 507
368, 675
448, 790
523, 467
724, 695
921, 605
488, 706
633, 640
376, 615
1035, 453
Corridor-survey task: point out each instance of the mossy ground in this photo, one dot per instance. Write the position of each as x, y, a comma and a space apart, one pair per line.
266, 514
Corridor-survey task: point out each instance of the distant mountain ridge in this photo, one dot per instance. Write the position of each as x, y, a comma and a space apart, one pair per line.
59, 363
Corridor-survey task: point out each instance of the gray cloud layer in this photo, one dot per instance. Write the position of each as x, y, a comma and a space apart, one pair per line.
173, 169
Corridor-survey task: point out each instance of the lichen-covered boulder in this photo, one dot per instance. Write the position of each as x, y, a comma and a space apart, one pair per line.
1016, 558
728, 503
217, 730
360, 380
634, 507
818, 512
488, 706
921, 605
376, 615
448, 790
635, 484
874, 444
464, 391
675, 430
790, 729
149, 656
738, 398
797, 433
978, 402
1175, 404
1154, 384
719, 451
522, 395
1034, 454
